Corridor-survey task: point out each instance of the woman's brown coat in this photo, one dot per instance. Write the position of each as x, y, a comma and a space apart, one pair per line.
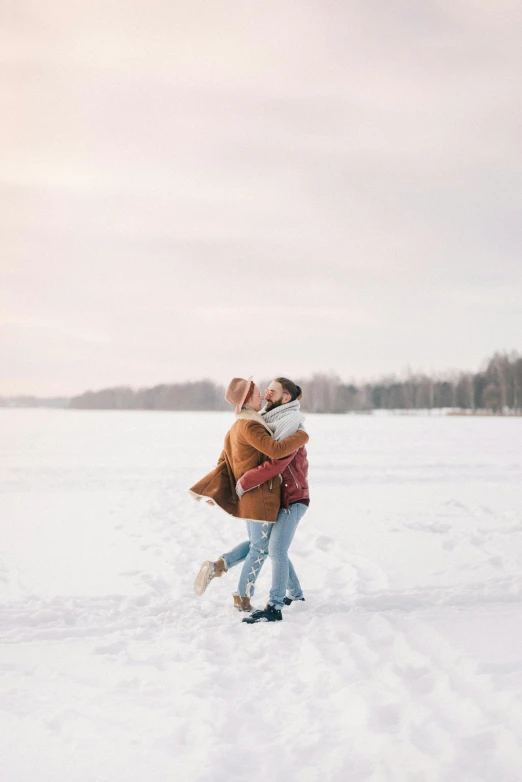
247, 444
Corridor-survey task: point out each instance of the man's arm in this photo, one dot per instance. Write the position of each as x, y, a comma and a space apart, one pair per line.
263, 473
257, 436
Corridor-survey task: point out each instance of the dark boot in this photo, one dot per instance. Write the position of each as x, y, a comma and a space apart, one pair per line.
267, 614
289, 600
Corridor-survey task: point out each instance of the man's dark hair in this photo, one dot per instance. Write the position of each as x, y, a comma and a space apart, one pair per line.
290, 387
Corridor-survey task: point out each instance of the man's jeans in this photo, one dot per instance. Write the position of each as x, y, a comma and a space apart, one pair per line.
252, 553
283, 573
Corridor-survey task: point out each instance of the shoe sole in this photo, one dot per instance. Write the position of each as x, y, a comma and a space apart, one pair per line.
203, 578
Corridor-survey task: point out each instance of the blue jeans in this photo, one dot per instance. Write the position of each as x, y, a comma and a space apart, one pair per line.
253, 553
283, 573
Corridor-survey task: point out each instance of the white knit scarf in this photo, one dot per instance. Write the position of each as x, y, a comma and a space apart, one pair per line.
284, 420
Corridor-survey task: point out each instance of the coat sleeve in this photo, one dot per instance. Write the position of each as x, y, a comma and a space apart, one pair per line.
264, 472
257, 436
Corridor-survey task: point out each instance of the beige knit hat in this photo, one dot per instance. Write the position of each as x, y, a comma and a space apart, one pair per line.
237, 392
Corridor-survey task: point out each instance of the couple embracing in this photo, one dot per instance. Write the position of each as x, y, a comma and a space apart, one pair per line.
261, 477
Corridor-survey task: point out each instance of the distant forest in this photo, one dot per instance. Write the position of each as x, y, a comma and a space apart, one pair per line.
496, 389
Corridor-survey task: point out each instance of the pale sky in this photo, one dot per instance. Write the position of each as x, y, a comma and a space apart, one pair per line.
210, 189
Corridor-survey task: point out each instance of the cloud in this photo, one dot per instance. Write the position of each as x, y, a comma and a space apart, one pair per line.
342, 176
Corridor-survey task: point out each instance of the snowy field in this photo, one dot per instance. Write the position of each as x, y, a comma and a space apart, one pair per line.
403, 665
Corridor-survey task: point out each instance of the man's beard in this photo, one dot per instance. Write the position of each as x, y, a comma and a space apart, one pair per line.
270, 405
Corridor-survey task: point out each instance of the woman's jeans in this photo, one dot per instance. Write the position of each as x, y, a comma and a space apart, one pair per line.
274, 539
283, 573
252, 553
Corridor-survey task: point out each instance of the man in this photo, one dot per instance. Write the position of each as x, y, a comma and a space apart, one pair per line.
283, 416
248, 443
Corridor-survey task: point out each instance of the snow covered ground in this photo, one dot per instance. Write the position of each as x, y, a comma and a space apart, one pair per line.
403, 665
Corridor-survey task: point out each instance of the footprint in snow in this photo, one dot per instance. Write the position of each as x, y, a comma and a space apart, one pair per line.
114, 648
324, 543
386, 718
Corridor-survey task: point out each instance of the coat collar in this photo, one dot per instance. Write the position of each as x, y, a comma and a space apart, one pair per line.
251, 415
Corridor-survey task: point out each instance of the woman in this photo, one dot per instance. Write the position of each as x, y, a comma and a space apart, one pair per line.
248, 444
283, 414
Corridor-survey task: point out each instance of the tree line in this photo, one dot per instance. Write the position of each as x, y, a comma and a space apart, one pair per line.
496, 388
192, 395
